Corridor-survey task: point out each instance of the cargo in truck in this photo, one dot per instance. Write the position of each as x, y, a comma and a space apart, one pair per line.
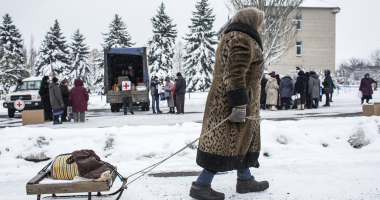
131, 62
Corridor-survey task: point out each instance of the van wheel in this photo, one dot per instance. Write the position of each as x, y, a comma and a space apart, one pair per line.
11, 113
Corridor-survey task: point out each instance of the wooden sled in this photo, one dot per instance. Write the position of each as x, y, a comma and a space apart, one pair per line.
34, 188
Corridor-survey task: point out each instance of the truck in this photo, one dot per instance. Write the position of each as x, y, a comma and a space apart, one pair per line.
25, 97
131, 62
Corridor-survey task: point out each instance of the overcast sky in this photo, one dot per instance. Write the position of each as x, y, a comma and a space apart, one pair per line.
357, 23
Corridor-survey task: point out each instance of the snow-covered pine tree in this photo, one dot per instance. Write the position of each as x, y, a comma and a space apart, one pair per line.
117, 37
161, 45
12, 67
54, 51
80, 66
200, 52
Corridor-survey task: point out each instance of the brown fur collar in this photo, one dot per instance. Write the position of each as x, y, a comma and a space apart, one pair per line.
244, 28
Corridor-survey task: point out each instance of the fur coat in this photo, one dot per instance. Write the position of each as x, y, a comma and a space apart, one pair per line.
237, 76
272, 91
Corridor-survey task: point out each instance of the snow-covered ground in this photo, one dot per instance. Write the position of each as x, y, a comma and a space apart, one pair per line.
309, 154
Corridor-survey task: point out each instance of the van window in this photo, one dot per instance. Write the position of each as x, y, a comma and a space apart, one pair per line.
30, 85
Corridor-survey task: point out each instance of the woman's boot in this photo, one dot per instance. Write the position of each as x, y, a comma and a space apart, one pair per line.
205, 192
299, 107
302, 106
251, 185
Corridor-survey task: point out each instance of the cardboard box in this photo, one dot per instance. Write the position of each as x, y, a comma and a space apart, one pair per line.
368, 110
32, 117
376, 108
120, 79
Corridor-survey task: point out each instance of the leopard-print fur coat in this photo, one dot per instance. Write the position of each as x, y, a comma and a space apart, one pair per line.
238, 71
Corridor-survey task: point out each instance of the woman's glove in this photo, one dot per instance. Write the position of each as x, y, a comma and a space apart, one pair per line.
237, 114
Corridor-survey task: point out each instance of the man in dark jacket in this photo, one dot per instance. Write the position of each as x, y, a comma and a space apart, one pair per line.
65, 96
327, 86
126, 94
263, 95
286, 90
45, 98
155, 96
180, 91
56, 100
300, 88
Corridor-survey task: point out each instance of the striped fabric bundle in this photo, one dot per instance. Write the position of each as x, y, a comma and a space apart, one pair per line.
60, 170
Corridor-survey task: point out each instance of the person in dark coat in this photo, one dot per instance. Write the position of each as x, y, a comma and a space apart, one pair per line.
300, 88
56, 100
154, 84
327, 87
234, 94
366, 88
45, 99
65, 96
263, 95
278, 98
78, 99
286, 90
308, 97
180, 91
313, 90
174, 95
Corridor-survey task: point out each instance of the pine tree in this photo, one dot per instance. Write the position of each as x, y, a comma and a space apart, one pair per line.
54, 51
200, 52
118, 34
11, 37
80, 66
12, 67
161, 45
117, 37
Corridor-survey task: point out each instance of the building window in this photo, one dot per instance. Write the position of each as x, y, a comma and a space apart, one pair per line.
298, 22
299, 48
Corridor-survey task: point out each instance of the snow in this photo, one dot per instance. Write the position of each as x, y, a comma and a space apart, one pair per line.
317, 4
310, 156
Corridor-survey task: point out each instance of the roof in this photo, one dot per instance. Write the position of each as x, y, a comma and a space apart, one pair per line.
33, 79
317, 4
128, 51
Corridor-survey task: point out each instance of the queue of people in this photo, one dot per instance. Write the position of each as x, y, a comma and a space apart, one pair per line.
302, 91
56, 97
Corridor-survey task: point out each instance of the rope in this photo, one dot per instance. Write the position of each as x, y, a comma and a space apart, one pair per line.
208, 132
47, 166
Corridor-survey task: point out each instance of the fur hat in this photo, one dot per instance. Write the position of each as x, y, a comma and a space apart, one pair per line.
251, 16
63, 81
45, 78
167, 78
312, 73
301, 73
155, 77
179, 74
289, 75
55, 79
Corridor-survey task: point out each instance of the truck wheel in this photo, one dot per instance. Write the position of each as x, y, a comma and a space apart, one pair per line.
142, 108
11, 113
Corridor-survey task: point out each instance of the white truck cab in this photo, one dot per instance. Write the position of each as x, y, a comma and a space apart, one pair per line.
25, 97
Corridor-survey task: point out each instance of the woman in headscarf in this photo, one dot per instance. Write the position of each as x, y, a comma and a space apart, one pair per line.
234, 95
272, 92
366, 88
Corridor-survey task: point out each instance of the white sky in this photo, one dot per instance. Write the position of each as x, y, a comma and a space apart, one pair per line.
357, 23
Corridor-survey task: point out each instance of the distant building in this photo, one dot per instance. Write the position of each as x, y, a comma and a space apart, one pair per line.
315, 47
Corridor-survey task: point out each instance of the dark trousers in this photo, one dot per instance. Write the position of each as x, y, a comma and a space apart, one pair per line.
64, 115
309, 101
126, 101
156, 100
175, 100
367, 100
327, 99
331, 97
316, 103
285, 103
48, 112
180, 103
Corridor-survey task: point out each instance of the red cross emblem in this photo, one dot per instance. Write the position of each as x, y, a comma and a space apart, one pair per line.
126, 85
19, 104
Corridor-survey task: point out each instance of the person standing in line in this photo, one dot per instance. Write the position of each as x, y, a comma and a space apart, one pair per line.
45, 99
301, 89
327, 87
56, 100
308, 97
155, 96
314, 87
65, 96
278, 106
169, 88
272, 92
126, 94
366, 87
78, 99
293, 93
180, 91
174, 95
286, 89
263, 95
332, 91
234, 94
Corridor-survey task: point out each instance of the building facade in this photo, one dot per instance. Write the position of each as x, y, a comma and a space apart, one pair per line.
316, 42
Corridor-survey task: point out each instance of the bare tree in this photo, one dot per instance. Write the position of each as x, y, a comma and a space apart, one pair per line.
178, 55
375, 58
94, 55
280, 24
32, 56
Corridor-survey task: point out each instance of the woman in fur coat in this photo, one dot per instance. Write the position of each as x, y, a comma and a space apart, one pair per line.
234, 95
272, 92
